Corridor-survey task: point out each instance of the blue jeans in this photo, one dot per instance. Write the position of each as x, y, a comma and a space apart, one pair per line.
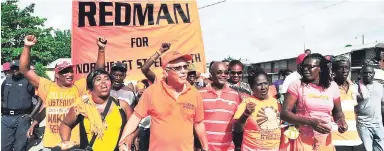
14, 132
372, 137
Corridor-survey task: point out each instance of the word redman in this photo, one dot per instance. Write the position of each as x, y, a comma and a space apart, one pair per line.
132, 13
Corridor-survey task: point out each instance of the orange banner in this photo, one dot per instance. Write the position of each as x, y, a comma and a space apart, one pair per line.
135, 30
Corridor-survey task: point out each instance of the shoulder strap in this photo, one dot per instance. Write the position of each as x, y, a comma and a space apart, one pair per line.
103, 115
123, 118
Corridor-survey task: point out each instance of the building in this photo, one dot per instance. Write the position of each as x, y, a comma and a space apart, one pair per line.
357, 54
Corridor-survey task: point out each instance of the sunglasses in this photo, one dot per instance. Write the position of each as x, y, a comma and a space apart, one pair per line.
179, 68
66, 70
238, 72
220, 72
309, 67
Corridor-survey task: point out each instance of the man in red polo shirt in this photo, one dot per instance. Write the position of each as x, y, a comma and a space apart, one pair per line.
220, 104
175, 107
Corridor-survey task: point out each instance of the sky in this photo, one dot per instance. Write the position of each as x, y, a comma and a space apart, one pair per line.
264, 30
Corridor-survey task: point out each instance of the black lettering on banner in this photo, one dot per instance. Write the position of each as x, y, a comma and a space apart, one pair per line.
167, 16
128, 64
177, 8
134, 17
157, 63
138, 10
103, 14
118, 8
90, 15
139, 42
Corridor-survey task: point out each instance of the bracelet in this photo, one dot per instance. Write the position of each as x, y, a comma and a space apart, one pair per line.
158, 52
246, 114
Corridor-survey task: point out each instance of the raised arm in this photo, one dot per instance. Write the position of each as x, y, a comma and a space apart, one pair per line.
145, 69
25, 58
101, 43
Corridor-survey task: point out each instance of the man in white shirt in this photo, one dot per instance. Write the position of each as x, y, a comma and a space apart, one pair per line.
292, 77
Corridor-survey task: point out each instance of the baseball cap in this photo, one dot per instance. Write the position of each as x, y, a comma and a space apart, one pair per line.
300, 58
191, 68
62, 65
119, 65
140, 85
6, 66
173, 55
329, 58
15, 63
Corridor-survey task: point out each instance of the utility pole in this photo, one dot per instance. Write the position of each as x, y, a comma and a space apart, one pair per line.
362, 39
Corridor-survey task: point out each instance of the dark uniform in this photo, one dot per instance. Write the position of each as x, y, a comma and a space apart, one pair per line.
16, 103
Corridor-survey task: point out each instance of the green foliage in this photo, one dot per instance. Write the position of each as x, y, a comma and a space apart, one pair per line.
16, 23
41, 70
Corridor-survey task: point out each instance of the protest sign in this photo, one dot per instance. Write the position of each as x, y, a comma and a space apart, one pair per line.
135, 30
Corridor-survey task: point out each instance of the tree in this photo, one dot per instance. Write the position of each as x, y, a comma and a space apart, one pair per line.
229, 58
16, 23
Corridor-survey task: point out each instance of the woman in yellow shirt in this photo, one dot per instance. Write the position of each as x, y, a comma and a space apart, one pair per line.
96, 132
258, 117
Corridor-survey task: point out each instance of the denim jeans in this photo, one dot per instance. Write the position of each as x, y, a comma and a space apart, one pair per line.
14, 132
144, 135
372, 137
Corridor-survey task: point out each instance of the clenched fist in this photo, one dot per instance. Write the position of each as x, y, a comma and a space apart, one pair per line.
101, 42
30, 40
164, 47
250, 108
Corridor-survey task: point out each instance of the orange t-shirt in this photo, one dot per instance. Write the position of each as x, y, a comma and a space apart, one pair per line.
262, 129
57, 101
172, 118
272, 91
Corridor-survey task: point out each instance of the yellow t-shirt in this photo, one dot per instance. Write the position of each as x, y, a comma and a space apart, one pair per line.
111, 134
57, 101
262, 129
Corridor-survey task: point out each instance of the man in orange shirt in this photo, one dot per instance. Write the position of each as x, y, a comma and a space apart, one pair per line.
175, 107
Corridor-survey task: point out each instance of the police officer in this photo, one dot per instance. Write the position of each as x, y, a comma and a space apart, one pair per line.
16, 104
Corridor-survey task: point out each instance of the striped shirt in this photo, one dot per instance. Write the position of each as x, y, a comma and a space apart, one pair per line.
218, 114
350, 137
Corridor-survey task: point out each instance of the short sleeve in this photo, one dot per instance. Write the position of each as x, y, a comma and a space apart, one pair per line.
142, 108
294, 87
81, 84
285, 85
240, 109
43, 88
199, 113
335, 90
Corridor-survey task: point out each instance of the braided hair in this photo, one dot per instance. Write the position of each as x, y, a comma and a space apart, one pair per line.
325, 78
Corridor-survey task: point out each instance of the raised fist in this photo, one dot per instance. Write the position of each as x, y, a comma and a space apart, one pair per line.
101, 42
164, 47
250, 108
30, 40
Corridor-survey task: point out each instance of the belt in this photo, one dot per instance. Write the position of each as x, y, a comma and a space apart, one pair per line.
5, 111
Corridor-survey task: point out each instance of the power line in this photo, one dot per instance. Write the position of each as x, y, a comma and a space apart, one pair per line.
212, 4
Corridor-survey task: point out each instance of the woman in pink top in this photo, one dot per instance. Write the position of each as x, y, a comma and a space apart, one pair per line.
317, 101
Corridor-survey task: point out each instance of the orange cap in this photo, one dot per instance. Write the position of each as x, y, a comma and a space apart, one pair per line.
173, 55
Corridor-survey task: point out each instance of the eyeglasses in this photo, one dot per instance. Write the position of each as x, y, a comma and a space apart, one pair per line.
220, 72
236, 72
309, 67
179, 68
